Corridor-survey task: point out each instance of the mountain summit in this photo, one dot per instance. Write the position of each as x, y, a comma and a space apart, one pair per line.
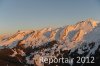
78, 39
88, 22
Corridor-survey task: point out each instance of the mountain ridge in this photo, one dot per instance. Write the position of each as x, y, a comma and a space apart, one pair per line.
77, 32
81, 39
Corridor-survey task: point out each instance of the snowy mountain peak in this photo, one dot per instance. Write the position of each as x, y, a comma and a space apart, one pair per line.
88, 22
92, 22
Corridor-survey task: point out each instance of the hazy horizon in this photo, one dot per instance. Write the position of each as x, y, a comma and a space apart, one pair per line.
33, 14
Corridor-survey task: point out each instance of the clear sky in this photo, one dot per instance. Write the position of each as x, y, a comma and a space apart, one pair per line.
30, 14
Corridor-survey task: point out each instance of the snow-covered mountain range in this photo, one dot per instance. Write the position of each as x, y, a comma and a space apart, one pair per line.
24, 48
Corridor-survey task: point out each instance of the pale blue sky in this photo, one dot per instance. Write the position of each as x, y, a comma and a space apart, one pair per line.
29, 14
